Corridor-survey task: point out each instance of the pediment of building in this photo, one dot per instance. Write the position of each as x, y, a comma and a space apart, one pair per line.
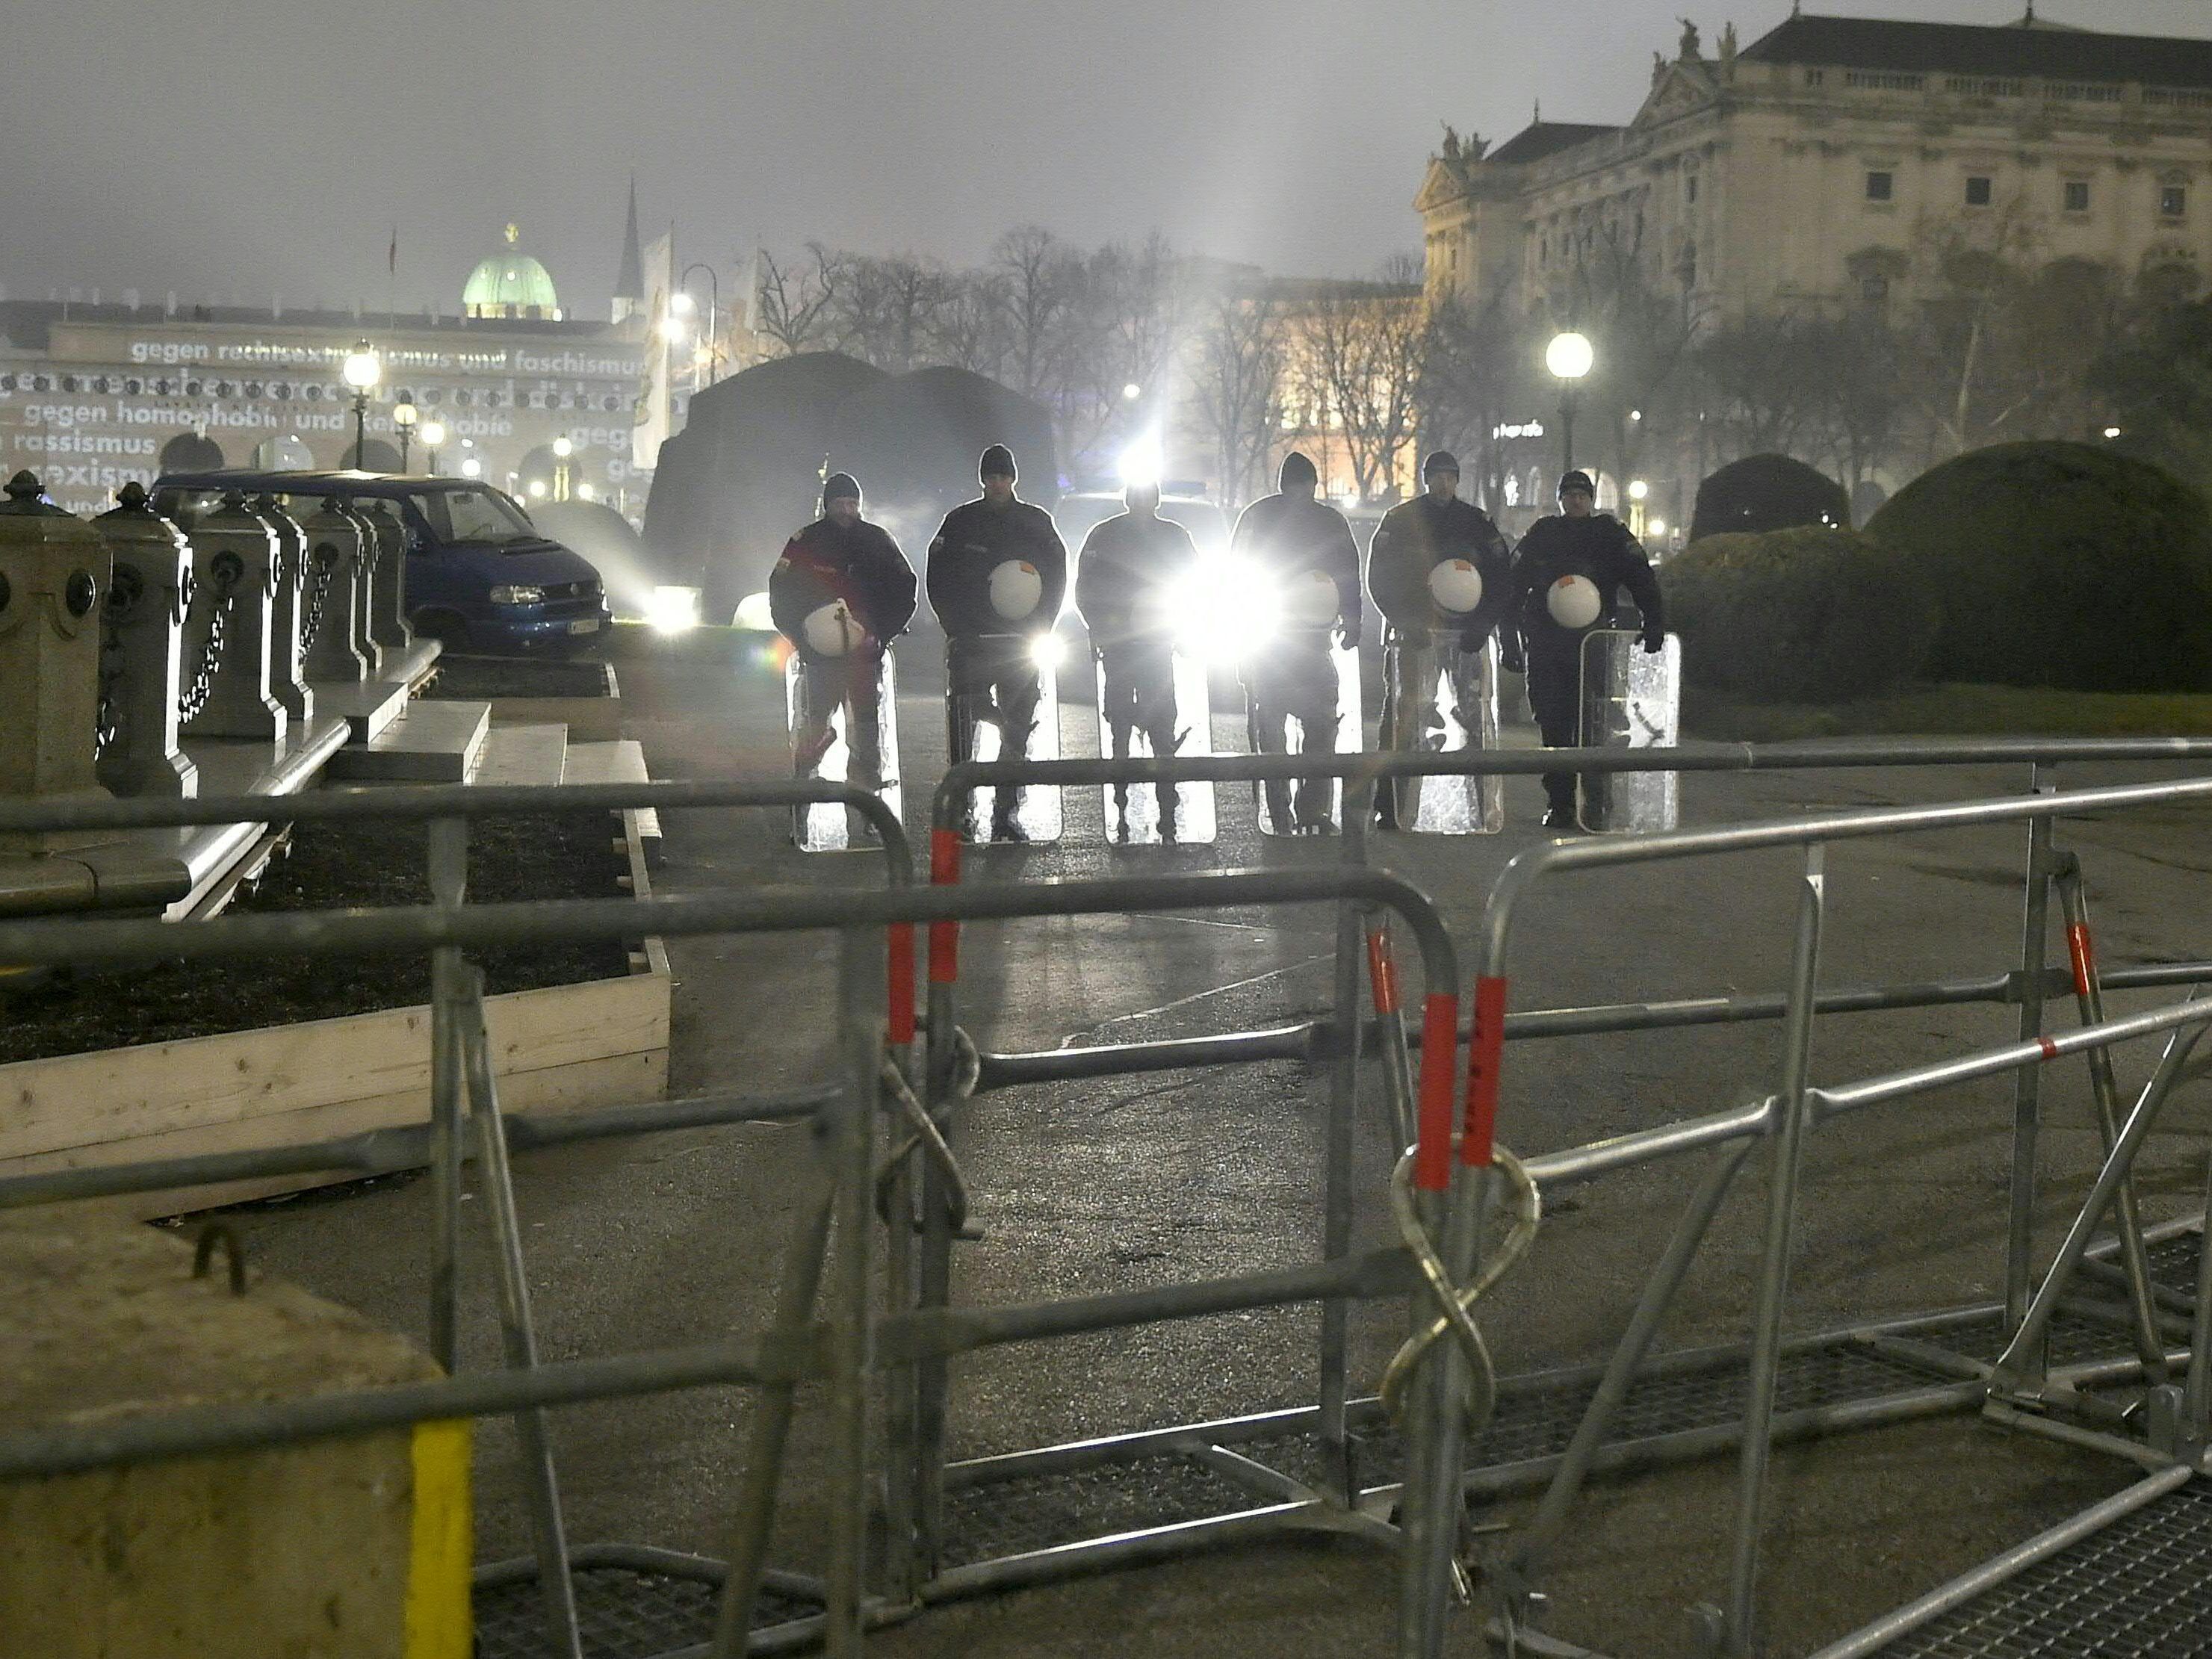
1443, 184
1676, 88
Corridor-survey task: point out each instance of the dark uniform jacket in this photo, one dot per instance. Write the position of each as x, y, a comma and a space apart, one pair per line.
1414, 537
1287, 536
1123, 575
976, 539
1599, 548
862, 566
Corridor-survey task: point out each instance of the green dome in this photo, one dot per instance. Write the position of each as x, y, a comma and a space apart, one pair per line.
510, 284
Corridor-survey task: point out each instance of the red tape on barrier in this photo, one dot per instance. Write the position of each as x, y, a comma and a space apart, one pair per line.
902, 982
1439, 1070
2050, 1048
944, 936
1381, 972
2083, 954
1485, 1055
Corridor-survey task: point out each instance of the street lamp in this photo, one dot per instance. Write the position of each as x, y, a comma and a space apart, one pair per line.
1569, 357
1637, 492
471, 467
361, 371
403, 417
433, 433
563, 447
1132, 392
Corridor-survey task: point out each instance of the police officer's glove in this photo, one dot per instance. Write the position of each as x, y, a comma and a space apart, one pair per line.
1655, 640
1347, 633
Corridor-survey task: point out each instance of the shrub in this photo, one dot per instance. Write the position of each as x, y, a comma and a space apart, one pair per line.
2061, 564
1805, 615
1761, 492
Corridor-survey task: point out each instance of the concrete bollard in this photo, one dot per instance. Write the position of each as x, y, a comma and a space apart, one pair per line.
142, 649
287, 682
53, 570
387, 614
225, 688
365, 641
326, 637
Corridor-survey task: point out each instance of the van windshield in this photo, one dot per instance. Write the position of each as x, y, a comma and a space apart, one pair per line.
474, 515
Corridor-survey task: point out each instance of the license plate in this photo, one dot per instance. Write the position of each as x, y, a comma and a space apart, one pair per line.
588, 625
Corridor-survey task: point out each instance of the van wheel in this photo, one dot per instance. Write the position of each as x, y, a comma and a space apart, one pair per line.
443, 626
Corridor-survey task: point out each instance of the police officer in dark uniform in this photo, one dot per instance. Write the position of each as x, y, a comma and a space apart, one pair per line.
1567, 575
1124, 579
1289, 537
989, 556
841, 560
1413, 540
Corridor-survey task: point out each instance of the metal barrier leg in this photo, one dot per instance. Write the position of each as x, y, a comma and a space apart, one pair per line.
2089, 995
1790, 1110
860, 1000
2028, 1083
898, 1380
757, 1493
2197, 1394
1659, 1291
1337, 1195
517, 1331
1397, 1053
933, 1264
449, 873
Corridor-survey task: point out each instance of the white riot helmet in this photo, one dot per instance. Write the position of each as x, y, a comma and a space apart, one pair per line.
1573, 602
1311, 600
1017, 590
832, 630
1455, 586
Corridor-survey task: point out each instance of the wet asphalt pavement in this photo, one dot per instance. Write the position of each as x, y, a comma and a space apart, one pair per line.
1127, 1182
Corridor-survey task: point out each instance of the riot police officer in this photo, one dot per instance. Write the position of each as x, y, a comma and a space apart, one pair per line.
1124, 581
996, 576
1567, 576
1301, 548
841, 593
1440, 572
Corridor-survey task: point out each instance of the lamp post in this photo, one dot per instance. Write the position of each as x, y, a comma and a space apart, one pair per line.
1569, 357
362, 371
434, 434
713, 310
563, 447
403, 417
1639, 491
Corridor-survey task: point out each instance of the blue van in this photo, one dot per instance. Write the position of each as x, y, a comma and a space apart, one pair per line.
480, 576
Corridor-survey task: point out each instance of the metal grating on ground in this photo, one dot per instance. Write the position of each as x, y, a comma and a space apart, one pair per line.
623, 1613
2142, 1587
1012, 1517
2073, 1339
2173, 1261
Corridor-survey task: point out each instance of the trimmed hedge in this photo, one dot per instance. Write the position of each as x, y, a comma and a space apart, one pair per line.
1806, 615
2061, 564
1761, 492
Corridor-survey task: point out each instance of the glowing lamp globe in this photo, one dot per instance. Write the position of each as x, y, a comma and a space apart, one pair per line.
1573, 602
1569, 356
361, 369
1017, 590
1456, 586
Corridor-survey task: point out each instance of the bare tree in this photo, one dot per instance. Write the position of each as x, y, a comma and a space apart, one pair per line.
1477, 379
1364, 341
889, 310
797, 305
970, 329
1239, 356
1040, 276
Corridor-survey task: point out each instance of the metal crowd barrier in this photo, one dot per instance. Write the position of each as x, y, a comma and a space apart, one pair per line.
845, 1348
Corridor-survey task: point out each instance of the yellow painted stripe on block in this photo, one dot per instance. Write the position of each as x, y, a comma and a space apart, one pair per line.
439, 1623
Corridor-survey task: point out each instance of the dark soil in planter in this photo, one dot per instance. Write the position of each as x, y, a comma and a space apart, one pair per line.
484, 677
373, 865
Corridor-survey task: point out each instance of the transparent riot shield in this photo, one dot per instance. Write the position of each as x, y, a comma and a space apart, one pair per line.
823, 690
1132, 813
1286, 692
994, 668
1632, 699
1444, 700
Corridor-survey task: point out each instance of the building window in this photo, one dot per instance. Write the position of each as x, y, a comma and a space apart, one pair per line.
1880, 186
1977, 191
1814, 77
2172, 200
1874, 290
2078, 195
1690, 188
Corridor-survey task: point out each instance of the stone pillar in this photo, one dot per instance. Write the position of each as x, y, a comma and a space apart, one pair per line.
141, 651
326, 634
364, 587
387, 611
287, 683
226, 666
53, 570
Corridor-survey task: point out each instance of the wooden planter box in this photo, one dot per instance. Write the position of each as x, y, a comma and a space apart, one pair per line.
562, 1048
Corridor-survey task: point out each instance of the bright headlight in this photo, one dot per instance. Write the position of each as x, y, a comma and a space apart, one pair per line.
673, 610
519, 594
1223, 609
1047, 651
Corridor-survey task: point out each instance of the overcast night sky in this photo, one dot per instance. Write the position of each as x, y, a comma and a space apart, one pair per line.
246, 147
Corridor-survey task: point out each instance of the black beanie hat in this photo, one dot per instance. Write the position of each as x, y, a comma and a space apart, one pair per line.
1577, 479
1440, 460
998, 462
1297, 469
841, 487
